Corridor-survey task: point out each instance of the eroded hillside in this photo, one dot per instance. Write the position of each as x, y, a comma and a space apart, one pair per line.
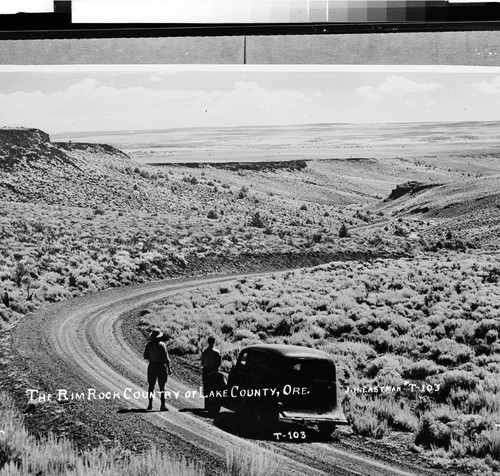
81, 217
471, 209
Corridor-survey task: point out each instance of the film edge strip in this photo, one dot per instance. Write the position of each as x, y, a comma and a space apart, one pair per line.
351, 16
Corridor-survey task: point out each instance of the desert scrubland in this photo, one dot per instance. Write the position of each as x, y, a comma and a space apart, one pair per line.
415, 341
400, 242
80, 217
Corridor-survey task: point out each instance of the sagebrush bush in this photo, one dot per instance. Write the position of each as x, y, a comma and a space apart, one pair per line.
488, 444
387, 362
455, 380
421, 369
434, 429
343, 231
398, 414
366, 423
448, 352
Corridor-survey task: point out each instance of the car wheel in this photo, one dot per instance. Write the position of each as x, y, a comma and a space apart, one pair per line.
213, 406
264, 415
326, 428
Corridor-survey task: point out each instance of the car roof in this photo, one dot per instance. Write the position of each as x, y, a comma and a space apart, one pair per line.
289, 351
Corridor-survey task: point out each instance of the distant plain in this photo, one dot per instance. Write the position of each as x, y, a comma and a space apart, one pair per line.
299, 142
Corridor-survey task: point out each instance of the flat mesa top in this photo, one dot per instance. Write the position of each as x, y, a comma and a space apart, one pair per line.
290, 351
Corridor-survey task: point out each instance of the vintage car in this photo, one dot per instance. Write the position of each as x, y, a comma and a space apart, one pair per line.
285, 383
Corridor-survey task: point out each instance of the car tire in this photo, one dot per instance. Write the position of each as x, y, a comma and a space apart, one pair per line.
326, 428
213, 407
262, 416
265, 417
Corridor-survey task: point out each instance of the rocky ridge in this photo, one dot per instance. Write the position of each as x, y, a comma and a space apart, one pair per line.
20, 148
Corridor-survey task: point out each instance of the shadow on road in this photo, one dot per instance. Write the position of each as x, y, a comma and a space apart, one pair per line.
195, 411
133, 410
283, 432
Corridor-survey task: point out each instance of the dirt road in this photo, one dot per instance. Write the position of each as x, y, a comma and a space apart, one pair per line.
79, 345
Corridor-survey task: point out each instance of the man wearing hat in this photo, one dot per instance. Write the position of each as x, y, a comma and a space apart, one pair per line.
210, 361
159, 366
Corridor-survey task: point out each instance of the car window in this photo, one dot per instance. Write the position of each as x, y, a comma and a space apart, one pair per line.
261, 364
257, 361
243, 360
312, 369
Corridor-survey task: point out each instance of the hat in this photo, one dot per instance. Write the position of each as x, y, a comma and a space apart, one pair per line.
211, 339
156, 334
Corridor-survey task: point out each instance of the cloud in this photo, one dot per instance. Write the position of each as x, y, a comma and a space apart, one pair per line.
155, 79
247, 87
402, 85
396, 85
367, 92
85, 85
91, 105
486, 87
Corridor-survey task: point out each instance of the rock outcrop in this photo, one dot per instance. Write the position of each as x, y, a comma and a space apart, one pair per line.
411, 188
22, 147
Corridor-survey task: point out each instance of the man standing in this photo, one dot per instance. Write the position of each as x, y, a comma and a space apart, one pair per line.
159, 366
210, 361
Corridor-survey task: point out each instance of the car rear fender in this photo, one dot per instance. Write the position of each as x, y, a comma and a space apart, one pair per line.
217, 380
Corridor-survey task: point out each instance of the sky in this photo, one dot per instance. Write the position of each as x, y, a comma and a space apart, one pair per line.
92, 98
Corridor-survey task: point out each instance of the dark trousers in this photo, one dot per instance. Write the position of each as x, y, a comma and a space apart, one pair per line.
206, 385
157, 371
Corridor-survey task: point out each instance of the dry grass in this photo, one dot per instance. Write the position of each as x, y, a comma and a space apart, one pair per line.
243, 461
23, 454
375, 417
492, 443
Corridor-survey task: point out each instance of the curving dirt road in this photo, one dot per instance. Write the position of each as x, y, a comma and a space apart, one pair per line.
79, 345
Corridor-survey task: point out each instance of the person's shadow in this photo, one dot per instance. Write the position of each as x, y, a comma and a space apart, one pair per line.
242, 427
195, 411
273, 431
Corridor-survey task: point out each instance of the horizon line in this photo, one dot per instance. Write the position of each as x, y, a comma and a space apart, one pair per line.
111, 131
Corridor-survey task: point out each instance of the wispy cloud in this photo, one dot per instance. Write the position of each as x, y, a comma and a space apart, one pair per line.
367, 92
402, 85
396, 85
488, 87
